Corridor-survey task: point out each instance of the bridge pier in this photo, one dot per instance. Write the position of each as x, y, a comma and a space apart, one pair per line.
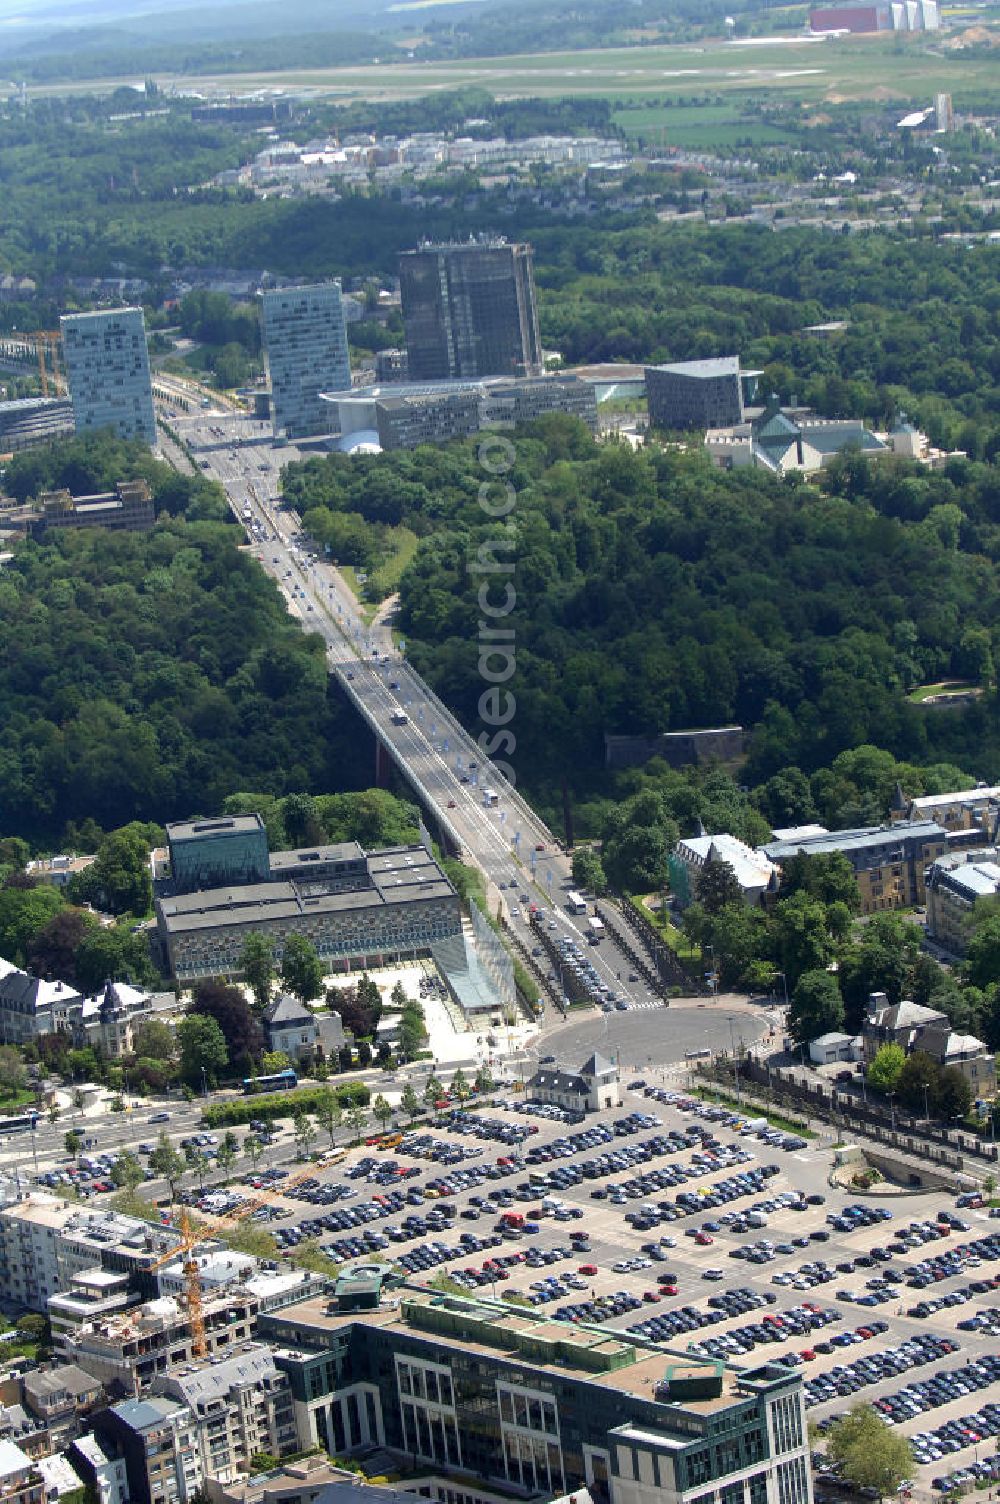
383, 766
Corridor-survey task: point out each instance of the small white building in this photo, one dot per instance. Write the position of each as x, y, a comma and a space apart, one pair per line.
830, 1049
592, 1088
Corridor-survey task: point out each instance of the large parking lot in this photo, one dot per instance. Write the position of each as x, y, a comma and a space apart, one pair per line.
691, 1227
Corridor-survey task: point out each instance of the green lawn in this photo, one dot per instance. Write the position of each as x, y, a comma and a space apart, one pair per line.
699, 126
946, 687
386, 578
753, 1110
358, 589
15, 1101
675, 938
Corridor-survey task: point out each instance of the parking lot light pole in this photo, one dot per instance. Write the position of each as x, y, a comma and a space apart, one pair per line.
736, 1072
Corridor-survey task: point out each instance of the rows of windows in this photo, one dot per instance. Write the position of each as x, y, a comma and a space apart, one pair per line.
793, 1483
786, 1423
534, 1463
430, 1433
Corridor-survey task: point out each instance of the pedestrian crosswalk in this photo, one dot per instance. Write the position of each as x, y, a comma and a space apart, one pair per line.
635, 1007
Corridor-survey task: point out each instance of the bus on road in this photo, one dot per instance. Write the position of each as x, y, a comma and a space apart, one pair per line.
280, 1081
576, 903
21, 1123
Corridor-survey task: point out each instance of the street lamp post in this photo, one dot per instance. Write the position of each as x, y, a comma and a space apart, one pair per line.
927, 1111
736, 1070
713, 976
204, 1082
892, 1108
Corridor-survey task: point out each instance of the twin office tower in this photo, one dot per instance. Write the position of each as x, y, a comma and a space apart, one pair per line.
469, 311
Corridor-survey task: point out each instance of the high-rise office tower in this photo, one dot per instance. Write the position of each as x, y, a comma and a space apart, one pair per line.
107, 365
469, 311
305, 341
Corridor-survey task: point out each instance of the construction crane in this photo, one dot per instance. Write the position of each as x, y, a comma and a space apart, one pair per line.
192, 1284
47, 350
189, 1241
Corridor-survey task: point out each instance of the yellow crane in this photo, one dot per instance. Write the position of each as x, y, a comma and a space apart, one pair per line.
47, 350
192, 1284
190, 1239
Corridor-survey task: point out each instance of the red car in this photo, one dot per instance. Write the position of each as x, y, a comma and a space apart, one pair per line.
587, 1269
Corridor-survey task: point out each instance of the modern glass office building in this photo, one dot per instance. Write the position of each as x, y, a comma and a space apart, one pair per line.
107, 365
469, 310
539, 1408
305, 343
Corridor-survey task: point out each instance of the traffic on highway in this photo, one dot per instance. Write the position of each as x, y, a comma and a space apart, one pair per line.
475, 808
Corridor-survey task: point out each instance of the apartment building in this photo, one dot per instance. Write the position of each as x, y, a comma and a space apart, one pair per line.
107, 365
889, 861
46, 1242
240, 1405
511, 1400
20, 1480
156, 1441
305, 344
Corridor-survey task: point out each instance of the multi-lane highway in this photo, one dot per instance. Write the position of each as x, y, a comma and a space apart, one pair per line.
475, 809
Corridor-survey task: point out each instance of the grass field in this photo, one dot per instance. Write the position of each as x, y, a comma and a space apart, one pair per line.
700, 127
814, 70
945, 687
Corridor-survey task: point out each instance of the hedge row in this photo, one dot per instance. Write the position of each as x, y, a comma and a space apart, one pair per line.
283, 1104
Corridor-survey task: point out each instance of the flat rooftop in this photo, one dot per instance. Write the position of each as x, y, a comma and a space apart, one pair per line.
628, 1368
304, 857
190, 830
222, 907
855, 840
704, 370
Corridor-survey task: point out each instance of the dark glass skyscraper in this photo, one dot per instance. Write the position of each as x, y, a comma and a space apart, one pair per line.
469, 311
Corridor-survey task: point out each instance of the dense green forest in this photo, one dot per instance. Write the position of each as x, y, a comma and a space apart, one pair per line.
655, 592
147, 676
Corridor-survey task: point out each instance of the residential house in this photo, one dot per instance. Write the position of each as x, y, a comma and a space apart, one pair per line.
914, 1027
592, 1088
61, 1397
299, 1032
